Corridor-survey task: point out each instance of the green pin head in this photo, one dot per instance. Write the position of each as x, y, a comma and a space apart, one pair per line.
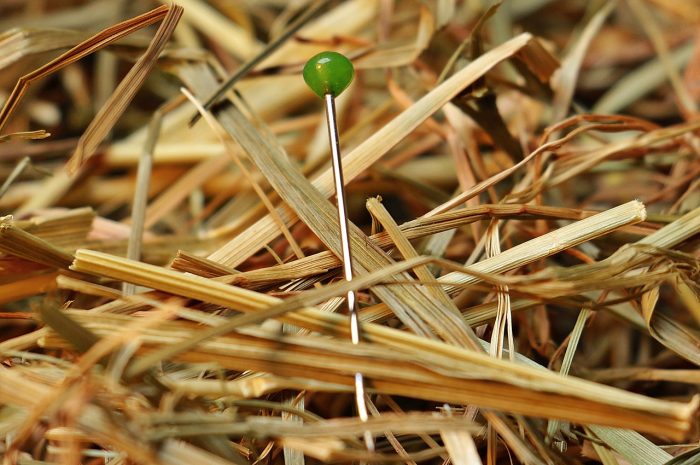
328, 73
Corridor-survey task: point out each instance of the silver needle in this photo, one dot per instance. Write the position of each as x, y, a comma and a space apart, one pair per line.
355, 332
328, 74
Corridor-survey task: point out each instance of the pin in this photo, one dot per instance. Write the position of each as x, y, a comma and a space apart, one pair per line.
328, 74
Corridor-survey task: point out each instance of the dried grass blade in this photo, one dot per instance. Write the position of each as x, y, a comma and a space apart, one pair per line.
344, 428
25, 135
574, 337
232, 152
571, 65
420, 227
640, 82
16, 172
51, 190
654, 33
377, 210
191, 263
125, 91
632, 446
645, 374
85, 287
176, 452
15, 241
63, 228
688, 296
18, 43
212, 23
257, 385
311, 318
563, 172
673, 233
669, 332
143, 177
200, 288
553, 242
76, 334
225, 295
503, 321
169, 199
81, 50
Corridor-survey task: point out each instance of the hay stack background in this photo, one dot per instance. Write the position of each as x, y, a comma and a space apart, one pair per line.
523, 182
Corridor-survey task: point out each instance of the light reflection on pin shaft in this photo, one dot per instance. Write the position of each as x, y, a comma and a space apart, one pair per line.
347, 253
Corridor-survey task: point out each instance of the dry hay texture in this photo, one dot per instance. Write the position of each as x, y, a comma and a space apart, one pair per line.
523, 184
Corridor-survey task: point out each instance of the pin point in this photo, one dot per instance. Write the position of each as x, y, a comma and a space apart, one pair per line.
328, 74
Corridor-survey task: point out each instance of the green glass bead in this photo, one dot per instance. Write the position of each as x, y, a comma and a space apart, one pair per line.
328, 73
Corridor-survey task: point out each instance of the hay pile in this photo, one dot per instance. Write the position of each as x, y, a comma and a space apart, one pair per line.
523, 184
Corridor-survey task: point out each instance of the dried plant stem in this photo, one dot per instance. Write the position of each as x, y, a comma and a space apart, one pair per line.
27, 287
81, 50
138, 208
553, 242
17, 242
377, 210
238, 352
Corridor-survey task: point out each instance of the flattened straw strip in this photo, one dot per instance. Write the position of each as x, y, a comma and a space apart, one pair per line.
674, 233
281, 308
257, 386
240, 299
81, 50
85, 287
553, 242
346, 428
232, 152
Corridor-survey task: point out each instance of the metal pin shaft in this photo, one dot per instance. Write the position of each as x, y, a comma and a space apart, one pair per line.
355, 333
